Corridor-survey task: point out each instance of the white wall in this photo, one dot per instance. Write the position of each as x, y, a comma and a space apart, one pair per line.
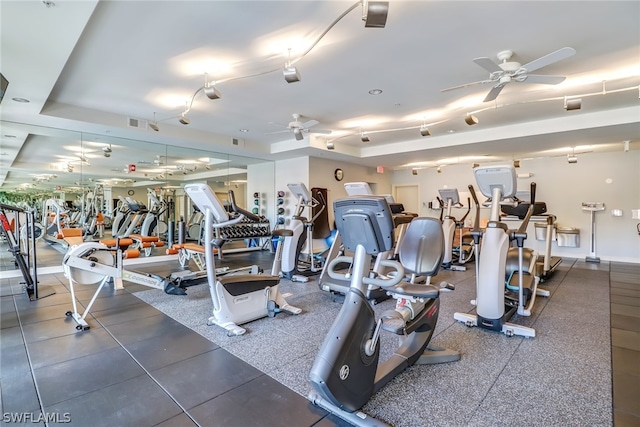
563, 187
286, 172
260, 179
321, 174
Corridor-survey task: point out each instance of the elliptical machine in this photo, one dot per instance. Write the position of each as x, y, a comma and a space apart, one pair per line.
302, 229
345, 373
505, 280
239, 298
451, 199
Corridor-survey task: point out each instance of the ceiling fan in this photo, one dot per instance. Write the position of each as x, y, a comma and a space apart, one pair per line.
510, 71
297, 127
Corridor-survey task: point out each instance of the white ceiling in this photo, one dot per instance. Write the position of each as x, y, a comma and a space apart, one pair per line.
86, 66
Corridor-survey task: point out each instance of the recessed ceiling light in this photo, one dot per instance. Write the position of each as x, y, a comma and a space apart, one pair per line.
244, 130
375, 91
21, 100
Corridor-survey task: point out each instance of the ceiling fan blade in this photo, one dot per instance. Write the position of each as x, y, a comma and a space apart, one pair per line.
466, 85
310, 123
279, 124
488, 65
549, 59
539, 78
494, 92
278, 131
325, 131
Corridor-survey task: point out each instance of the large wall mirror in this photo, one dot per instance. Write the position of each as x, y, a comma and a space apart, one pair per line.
77, 169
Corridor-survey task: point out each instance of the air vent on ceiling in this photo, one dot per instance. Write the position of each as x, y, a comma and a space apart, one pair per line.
133, 122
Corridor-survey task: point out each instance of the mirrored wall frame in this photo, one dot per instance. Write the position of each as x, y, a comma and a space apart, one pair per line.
39, 163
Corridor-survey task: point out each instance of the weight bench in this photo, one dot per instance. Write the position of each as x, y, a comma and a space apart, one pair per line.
73, 236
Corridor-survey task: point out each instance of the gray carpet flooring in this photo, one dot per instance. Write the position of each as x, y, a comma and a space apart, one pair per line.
562, 377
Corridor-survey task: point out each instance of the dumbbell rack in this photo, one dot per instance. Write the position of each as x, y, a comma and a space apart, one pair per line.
245, 229
592, 207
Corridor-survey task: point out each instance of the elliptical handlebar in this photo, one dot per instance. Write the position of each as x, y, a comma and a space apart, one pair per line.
239, 210
476, 222
532, 205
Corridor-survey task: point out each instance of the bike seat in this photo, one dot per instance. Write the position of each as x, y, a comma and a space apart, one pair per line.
413, 290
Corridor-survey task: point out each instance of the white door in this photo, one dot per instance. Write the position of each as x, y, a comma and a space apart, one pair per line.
408, 195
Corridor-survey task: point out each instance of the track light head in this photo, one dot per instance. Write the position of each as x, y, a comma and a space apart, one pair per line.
414, 171
291, 74
572, 158
424, 131
471, 120
365, 138
439, 169
154, 126
184, 120
516, 163
572, 104
330, 145
375, 14
212, 92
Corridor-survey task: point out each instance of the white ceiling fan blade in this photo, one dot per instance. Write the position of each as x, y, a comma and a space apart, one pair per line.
488, 65
277, 131
466, 85
549, 59
279, 124
310, 123
494, 92
324, 131
542, 79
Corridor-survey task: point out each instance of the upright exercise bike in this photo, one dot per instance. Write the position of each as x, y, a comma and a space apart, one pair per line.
505, 276
239, 298
346, 373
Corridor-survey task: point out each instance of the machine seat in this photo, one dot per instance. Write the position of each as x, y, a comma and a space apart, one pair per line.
242, 284
422, 247
413, 290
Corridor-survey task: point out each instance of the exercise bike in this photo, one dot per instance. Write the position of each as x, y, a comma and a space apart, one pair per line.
241, 298
505, 279
346, 373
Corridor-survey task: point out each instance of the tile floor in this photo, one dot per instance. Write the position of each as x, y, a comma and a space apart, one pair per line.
139, 367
